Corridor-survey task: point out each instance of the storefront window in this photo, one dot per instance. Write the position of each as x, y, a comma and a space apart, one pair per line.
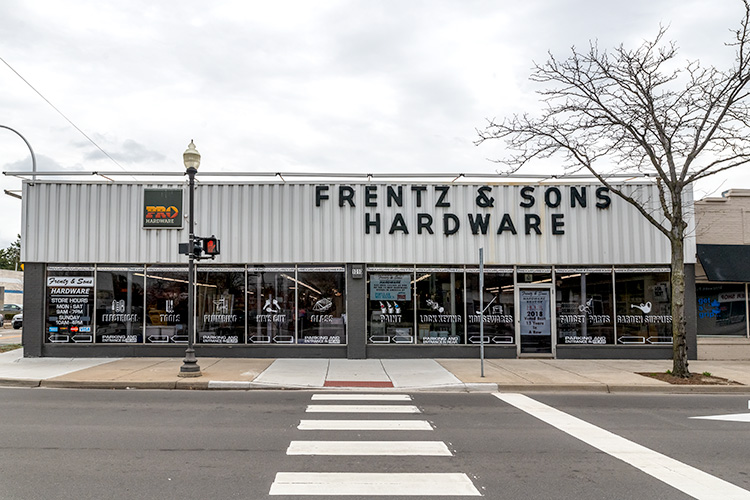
271, 305
119, 305
584, 307
643, 311
722, 309
534, 275
440, 303
390, 308
70, 305
499, 326
322, 306
220, 307
166, 305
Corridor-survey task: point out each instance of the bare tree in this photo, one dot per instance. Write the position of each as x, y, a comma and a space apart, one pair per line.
636, 110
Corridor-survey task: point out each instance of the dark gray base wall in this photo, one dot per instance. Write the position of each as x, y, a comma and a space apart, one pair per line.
33, 310
356, 311
614, 352
425, 351
178, 351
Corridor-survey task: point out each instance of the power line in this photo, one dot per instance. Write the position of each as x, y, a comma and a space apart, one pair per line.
61, 113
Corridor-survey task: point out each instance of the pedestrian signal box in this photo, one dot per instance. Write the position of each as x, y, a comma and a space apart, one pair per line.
211, 246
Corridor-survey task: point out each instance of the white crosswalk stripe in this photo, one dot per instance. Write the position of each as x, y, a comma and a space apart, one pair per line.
362, 409
361, 397
371, 448
373, 484
364, 425
331, 484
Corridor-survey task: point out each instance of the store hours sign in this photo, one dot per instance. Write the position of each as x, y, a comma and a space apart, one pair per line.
70, 301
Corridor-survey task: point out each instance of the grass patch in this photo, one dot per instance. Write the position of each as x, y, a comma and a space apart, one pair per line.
704, 378
9, 347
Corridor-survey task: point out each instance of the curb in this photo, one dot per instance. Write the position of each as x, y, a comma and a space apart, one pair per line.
468, 387
591, 387
683, 389
20, 382
109, 384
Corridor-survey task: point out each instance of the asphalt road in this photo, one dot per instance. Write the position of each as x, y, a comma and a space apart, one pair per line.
81, 444
8, 335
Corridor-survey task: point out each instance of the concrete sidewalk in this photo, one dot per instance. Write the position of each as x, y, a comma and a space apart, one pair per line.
520, 375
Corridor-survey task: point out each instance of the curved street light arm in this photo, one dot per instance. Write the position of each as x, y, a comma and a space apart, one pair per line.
33, 157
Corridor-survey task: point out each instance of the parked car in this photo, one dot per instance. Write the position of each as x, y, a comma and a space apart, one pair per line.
10, 310
18, 321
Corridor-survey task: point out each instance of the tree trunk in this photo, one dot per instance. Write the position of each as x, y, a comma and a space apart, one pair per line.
679, 325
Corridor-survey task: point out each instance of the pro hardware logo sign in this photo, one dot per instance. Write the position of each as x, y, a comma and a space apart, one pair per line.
162, 208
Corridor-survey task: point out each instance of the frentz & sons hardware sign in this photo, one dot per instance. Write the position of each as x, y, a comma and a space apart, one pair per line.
483, 216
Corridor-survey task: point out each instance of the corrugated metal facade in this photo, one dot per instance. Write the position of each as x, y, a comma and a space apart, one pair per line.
265, 223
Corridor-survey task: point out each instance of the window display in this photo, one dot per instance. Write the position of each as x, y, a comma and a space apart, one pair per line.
584, 306
119, 305
220, 306
271, 305
390, 308
643, 309
499, 314
322, 306
722, 309
166, 305
440, 299
405, 305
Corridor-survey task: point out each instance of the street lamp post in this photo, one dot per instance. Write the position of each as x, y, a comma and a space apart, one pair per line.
192, 160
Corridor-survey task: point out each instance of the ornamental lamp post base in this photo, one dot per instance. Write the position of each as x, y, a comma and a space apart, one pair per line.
190, 366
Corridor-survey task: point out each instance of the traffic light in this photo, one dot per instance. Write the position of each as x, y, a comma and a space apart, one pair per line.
211, 246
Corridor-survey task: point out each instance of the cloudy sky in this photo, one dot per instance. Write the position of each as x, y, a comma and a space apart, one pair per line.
293, 86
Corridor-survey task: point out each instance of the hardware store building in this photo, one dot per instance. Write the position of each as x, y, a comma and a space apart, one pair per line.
327, 268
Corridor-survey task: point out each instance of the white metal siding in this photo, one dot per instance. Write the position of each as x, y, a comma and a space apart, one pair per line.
279, 223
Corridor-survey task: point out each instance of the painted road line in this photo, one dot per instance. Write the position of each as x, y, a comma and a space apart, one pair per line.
364, 425
736, 417
370, 448
362, 409
372, 484
361, 397
683, 477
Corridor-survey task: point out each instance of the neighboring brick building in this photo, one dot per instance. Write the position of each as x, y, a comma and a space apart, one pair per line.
722, 275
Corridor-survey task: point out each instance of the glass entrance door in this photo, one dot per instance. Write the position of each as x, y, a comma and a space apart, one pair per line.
535, 313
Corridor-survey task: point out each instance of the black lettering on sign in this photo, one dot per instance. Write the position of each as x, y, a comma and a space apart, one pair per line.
424, 221
528, 197
443, 190
448, 228
370, 223
346, 194
320, 194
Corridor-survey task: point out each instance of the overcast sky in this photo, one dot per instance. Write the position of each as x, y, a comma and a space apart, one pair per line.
290, 86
